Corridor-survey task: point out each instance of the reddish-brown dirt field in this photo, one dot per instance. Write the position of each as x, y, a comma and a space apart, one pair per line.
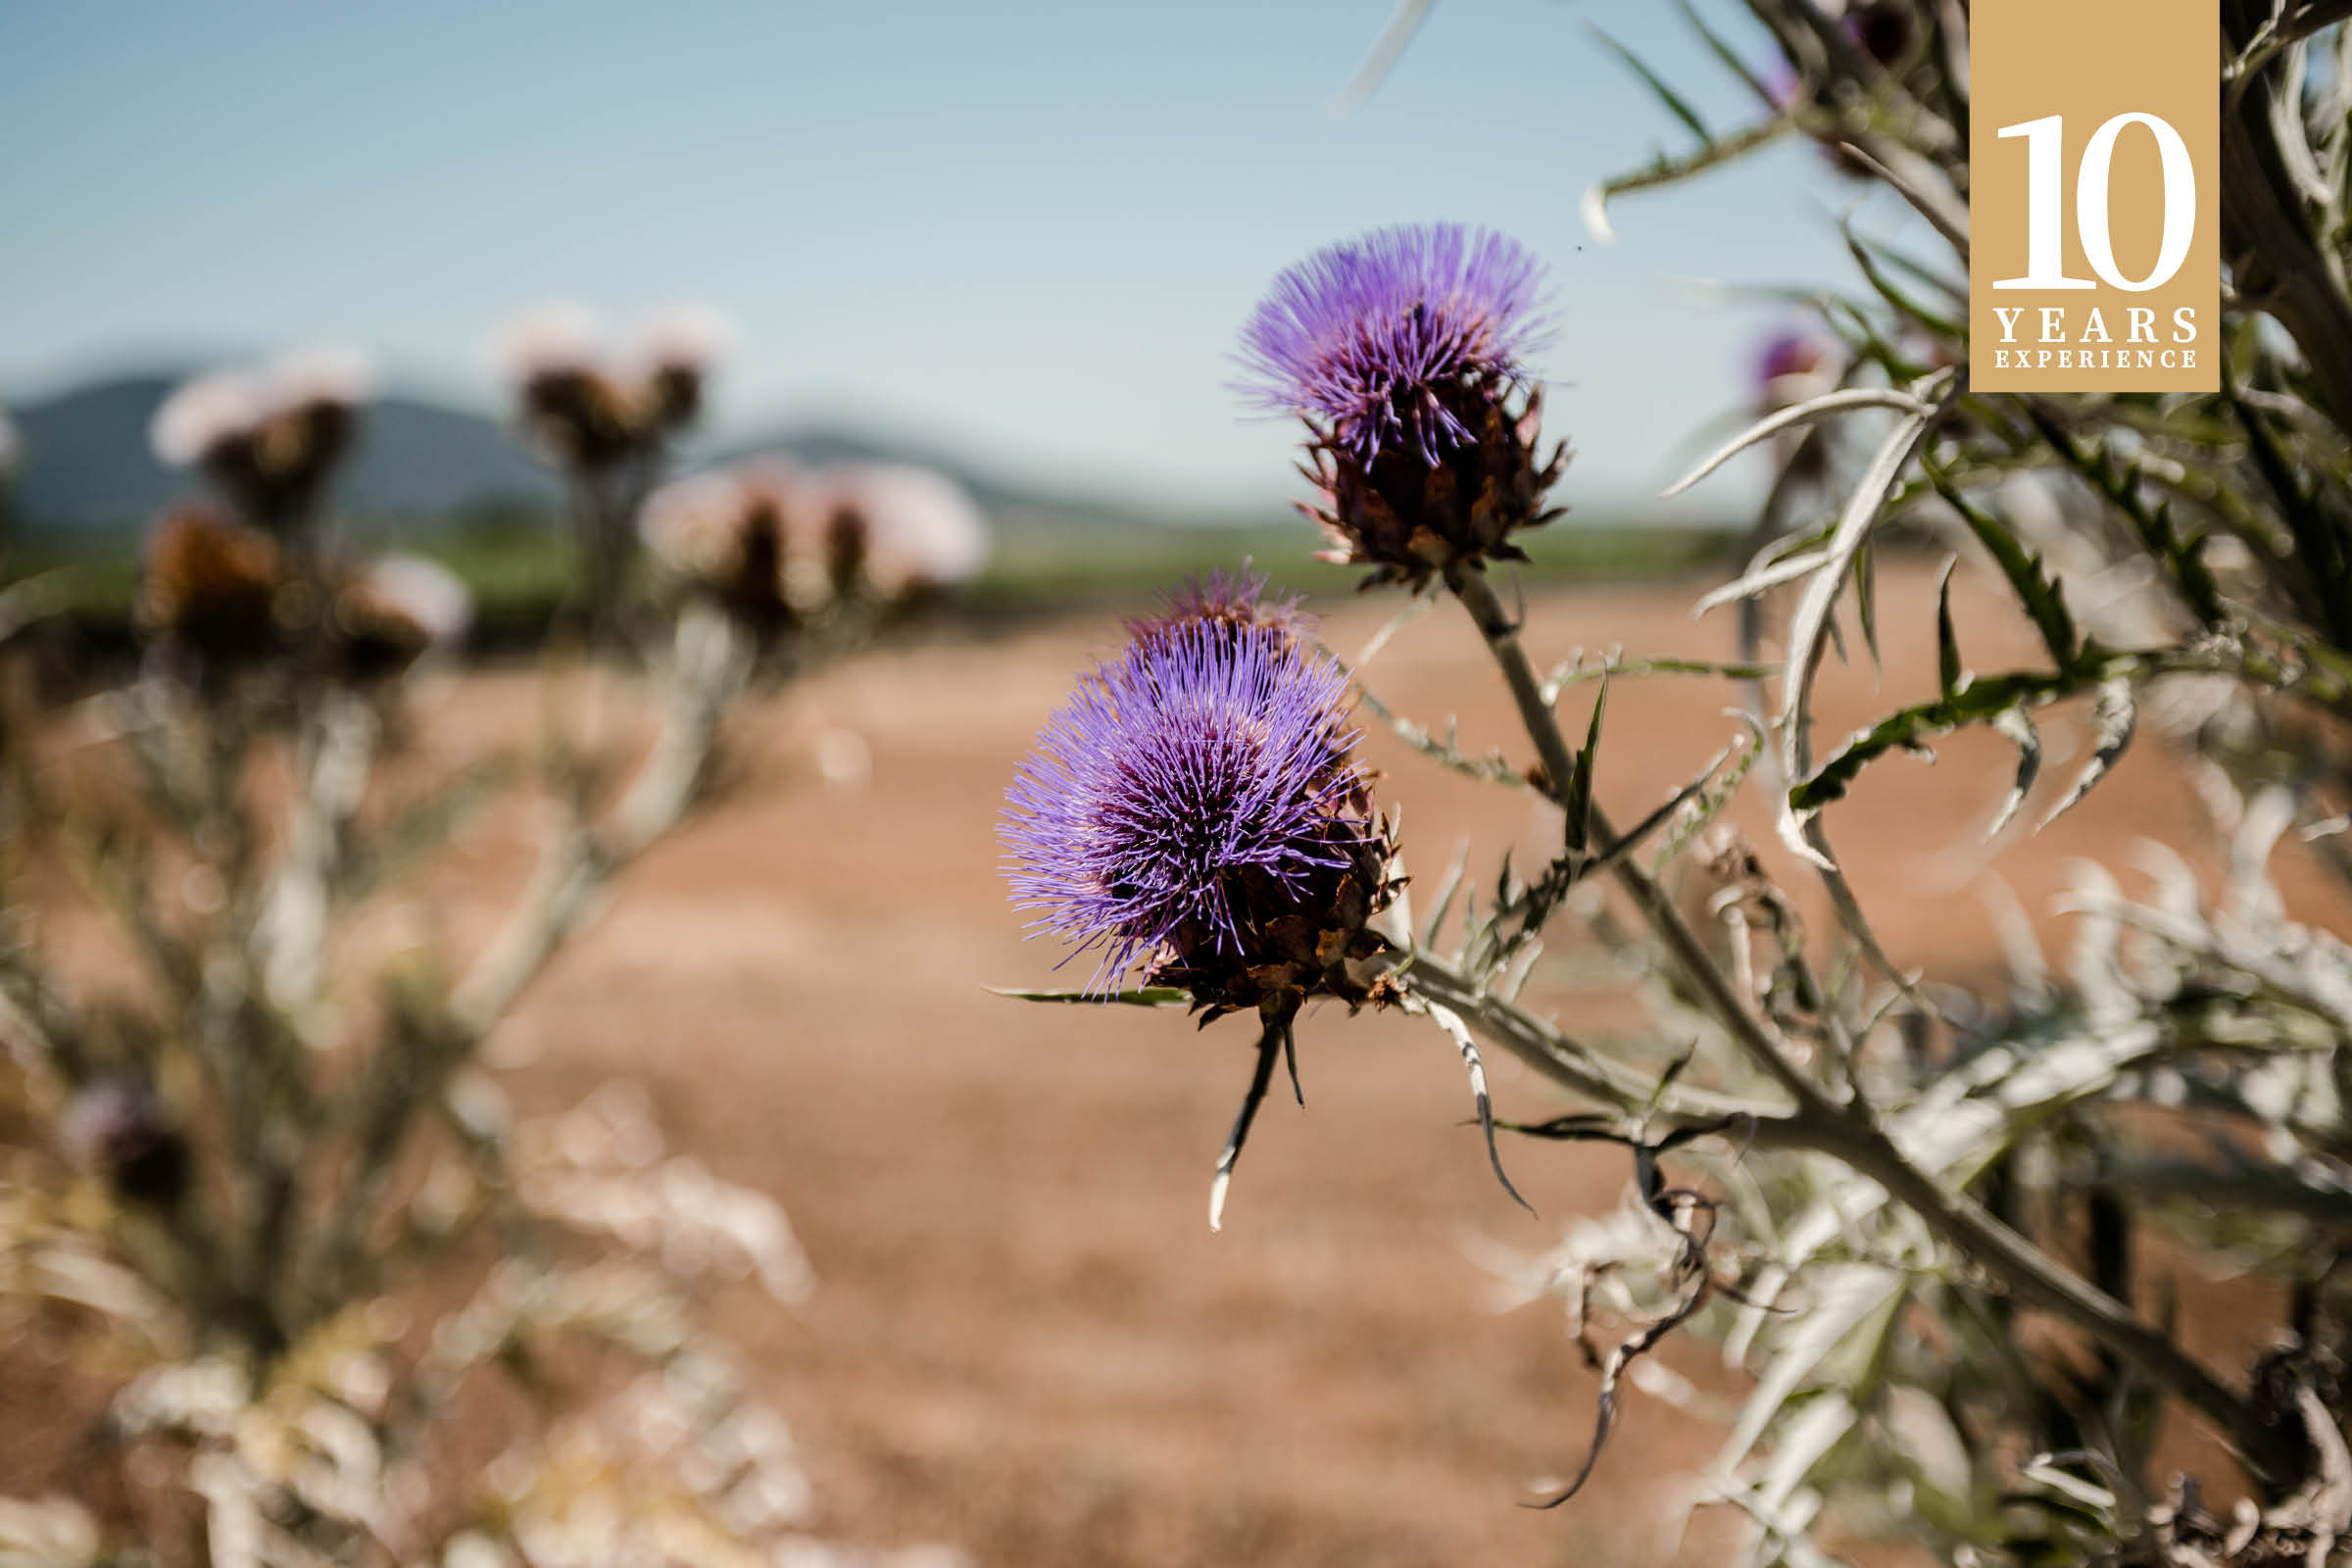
1026, 1341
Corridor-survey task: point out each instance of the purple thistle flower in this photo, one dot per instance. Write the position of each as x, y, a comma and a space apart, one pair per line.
1402, 352
1365, 338
1790, 352
1194, 805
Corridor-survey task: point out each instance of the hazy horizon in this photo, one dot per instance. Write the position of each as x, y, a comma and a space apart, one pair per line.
1026, 238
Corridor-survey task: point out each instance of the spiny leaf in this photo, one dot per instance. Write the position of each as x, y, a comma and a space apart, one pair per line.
2018, 726
2042, 598
1912, 729
1666, 169
1712, 801
2116, 482
2114, 717
1809, 623
1574, 673
1675, 103
1846, 400
1943, 326
1458, 1032
1446, 894
1950, 671
1139, 997
1490, 770
1866, 605
1730, 58
1580, 782
1386, 51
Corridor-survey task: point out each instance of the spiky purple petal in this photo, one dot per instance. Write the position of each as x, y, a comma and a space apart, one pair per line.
1362, 336
1195, 759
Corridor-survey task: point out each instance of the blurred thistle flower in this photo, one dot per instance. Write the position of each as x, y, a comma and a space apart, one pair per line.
392, 612
678, 346
270, 436
117, 1129
211, 587
1793, 364
1404, 352
1880, 29
726, 534
912, 529
582, 405
1194, 806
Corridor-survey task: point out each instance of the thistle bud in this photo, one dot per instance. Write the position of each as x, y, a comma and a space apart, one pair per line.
585, 410
1404, 352
212, 588
680, 346
726, 534
1792, 366
900, 532
117, 1129
393, 612
270, 437
1795, 367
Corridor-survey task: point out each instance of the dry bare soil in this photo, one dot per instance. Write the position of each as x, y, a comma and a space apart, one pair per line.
1025, 1339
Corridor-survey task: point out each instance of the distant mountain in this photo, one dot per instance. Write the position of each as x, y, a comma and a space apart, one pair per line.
1005, 499
87, 468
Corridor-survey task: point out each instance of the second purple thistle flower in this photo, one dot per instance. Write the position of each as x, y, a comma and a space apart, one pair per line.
1404, 351
1194, 806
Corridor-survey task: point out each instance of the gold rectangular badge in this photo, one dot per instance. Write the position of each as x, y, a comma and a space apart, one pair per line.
2094, 199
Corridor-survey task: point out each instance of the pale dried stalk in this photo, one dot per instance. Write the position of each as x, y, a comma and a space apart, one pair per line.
1847, 1130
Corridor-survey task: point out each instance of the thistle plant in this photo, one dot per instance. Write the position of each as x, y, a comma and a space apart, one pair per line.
605, 417
1193, 808
259, 1175
1896, 1203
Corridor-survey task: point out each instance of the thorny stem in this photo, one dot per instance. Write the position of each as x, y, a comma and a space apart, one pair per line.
714, 660
1847, 1130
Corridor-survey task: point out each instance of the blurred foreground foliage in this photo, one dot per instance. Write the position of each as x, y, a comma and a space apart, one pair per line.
261, 1188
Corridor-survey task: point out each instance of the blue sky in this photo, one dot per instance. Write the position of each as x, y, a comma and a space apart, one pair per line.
1024, 231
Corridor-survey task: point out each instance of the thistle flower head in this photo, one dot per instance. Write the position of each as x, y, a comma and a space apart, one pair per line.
203, 413
395, 610
267, 435
726, 533
1195, 804
1372, 339
591, 409
209, 588
688, 337
1405, 354
1792, 365
680, 346
338, 373
912, 529
554, 336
